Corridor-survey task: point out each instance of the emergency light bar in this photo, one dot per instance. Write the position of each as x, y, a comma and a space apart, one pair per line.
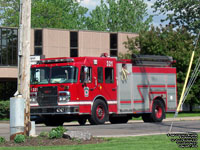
49, 61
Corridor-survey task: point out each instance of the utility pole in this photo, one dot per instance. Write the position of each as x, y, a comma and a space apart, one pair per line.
24, 59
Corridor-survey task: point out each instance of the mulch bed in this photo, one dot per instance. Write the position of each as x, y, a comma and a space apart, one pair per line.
44, 141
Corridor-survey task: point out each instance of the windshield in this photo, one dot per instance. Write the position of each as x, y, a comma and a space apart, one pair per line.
64, 74
59, 74
40, 75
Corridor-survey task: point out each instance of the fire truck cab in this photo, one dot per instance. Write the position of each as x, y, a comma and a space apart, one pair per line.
102, 89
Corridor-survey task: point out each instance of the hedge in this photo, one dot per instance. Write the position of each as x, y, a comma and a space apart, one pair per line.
4, 109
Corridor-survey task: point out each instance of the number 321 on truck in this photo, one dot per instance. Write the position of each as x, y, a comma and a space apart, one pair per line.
100, 89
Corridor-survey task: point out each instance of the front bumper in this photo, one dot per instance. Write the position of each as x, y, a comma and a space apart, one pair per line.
52, 110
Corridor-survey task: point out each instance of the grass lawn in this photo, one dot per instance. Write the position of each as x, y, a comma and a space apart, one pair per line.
181, 114
156, 142
4, 119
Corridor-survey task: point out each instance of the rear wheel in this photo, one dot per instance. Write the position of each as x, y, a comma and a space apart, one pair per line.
99, 113
158, 111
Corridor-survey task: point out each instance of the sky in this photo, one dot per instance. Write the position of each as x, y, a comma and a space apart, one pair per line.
91, 4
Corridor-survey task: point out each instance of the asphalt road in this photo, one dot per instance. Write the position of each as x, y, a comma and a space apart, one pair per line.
132, 128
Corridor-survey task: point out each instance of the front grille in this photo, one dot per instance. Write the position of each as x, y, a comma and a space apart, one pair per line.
47, 96
43, 110
55, 110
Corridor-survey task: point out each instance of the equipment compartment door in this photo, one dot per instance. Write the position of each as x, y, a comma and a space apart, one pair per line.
124, 88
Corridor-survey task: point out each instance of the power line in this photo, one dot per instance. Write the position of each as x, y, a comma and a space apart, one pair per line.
190, 83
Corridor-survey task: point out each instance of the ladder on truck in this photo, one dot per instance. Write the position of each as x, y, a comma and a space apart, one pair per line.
151, 60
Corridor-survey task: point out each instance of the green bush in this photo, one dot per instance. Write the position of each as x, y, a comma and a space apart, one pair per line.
2, 140
19, 138
4, 109
56, 133
44, 134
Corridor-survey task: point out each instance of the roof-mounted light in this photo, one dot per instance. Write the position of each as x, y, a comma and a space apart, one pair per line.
49, 61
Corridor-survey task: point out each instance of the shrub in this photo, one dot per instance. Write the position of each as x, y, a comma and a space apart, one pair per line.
4, 109
57, 132
54, 135
44, 134
19, 138
2, 140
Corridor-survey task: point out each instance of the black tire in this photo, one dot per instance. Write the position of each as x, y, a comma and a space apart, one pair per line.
82, 121
99, 113
118, 120
158, 111
157, 114
53, 121
147, 118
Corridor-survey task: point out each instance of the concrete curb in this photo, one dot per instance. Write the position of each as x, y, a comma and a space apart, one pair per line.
173, 119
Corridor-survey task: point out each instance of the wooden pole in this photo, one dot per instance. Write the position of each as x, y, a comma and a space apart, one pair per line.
24, 59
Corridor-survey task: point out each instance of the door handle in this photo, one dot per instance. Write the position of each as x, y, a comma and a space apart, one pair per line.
114, 89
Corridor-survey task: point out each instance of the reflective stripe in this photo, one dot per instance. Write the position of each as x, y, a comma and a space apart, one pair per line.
79, 103
85, 103
34, 104
112, 102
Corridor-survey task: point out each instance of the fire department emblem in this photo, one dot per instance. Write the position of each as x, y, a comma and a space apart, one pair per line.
86, 91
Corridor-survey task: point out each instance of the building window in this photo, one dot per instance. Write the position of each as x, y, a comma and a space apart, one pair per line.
38, 42
8, 46
73, 44
113, 45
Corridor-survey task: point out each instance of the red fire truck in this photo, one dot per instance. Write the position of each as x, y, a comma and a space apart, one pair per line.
103, 89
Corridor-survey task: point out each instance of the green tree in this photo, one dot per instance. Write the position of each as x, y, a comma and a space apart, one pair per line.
177, 43
46, 14
132, 47
119, 15
180, 13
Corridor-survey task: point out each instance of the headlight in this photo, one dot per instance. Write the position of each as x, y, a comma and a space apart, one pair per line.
64, 96
33, 97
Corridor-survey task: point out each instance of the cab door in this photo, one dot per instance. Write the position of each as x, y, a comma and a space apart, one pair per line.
107, 82
88, 83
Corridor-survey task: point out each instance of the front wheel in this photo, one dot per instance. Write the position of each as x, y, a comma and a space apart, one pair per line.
99, 113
